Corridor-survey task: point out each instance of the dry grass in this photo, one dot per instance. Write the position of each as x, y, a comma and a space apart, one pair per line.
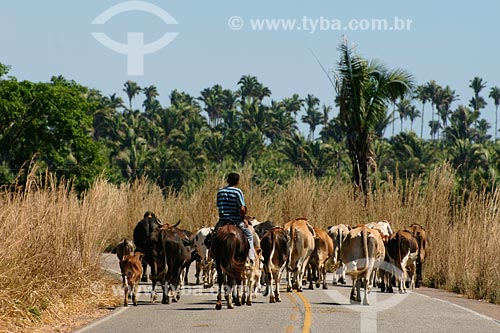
52, 240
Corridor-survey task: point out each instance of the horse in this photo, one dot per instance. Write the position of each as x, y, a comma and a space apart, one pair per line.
230, 250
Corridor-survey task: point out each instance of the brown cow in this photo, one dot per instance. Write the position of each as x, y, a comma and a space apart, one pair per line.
402, 250
275, 251
301, 244
132, 270
419, 233
362, 250
125, 247
323, 251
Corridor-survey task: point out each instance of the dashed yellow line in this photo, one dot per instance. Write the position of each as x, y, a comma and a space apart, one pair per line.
307, 313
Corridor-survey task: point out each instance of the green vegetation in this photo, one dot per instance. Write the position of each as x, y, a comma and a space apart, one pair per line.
77, 133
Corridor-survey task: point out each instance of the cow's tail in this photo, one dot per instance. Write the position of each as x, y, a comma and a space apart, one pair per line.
234, 267
398, 252
274, 240
340, 238
364, 233
293, 239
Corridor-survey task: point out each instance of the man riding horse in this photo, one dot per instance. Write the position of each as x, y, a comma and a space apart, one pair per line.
232, 209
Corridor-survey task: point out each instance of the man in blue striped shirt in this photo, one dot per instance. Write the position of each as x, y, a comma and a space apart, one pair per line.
231, 206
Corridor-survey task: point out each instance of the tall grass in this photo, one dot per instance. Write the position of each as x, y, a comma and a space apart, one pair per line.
52, 239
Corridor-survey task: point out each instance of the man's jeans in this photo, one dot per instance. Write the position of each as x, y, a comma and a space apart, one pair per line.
249, 236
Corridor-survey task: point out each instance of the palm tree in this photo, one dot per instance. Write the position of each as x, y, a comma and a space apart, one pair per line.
477, 102
213, 98
444, 98
132, 89
422, 94
293, 104
313, 116
115, 102
432, 92
250, 87
326, 114
495, 95
150, 104
413, 114
404, 108
363, 91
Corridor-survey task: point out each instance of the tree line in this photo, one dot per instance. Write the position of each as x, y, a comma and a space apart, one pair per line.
79, 133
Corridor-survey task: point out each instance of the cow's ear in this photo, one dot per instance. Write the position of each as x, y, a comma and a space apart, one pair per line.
258, 251
186, 242
139, 254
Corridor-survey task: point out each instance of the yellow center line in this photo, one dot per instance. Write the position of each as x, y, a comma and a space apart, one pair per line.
307, 313
295, 307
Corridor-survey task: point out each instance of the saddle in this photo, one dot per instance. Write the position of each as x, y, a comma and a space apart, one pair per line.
221, 223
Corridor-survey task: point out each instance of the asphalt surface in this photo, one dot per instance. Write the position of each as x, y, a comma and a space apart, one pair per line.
318, 310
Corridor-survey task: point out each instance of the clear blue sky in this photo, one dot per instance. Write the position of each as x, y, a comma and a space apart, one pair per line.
448, 41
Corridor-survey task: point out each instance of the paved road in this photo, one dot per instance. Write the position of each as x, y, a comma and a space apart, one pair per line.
313, 310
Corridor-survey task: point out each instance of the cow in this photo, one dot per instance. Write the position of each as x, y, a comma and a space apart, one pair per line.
207, 266
383, 226
263, 227
275, 252
362, 250
338, 233
230, 251
385, 230
144, 239
253, 272
402, 250
420, 235
323, 251
171, 256
301, 243
124, 247
194, 257
132, 270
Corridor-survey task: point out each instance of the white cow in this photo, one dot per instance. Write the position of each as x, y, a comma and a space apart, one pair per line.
207, 263
383, 226
338, 233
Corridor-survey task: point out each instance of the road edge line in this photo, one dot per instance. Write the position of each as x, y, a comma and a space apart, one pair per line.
115, 313
483, 316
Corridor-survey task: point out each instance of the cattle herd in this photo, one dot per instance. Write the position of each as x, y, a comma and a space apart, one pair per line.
371, 254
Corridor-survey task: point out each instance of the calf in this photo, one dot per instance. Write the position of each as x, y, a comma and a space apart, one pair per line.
362, 250
275, 252
125, 247
132, 270
253, 271
323, 251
